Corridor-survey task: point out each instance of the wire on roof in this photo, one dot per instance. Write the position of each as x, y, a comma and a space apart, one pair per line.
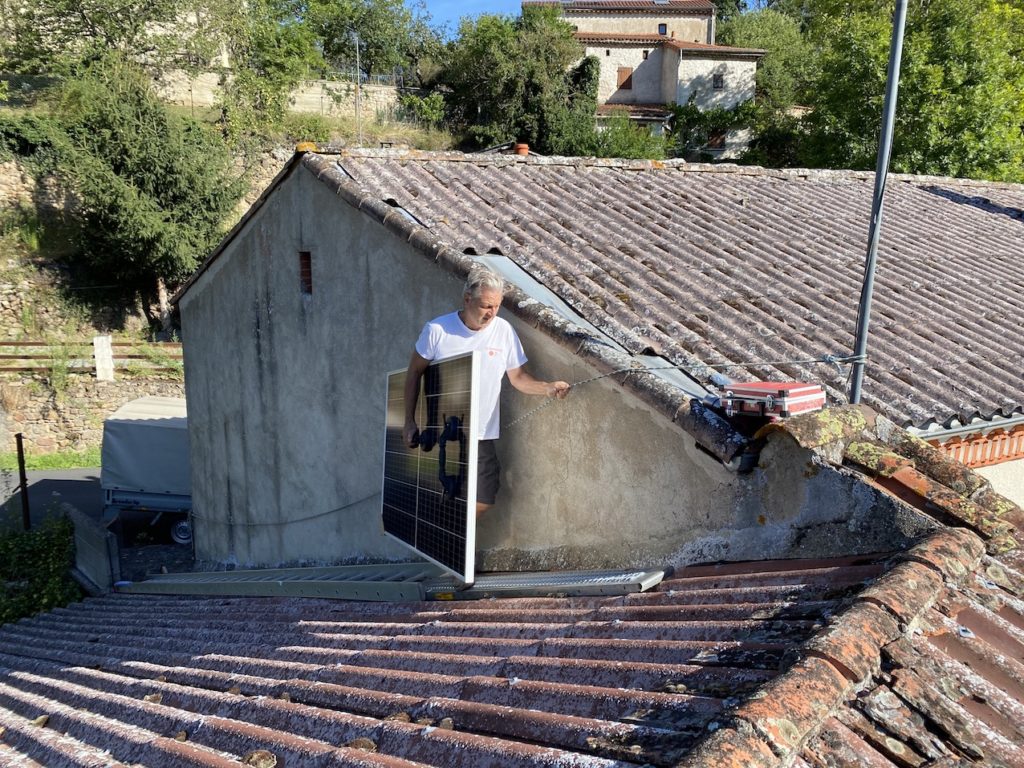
836, 360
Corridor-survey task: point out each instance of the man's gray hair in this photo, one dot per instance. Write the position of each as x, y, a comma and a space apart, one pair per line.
482, 279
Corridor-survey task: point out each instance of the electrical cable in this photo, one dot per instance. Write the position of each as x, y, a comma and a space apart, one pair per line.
836, 360
285, 522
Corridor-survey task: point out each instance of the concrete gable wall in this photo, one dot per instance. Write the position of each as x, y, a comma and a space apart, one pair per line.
286, 411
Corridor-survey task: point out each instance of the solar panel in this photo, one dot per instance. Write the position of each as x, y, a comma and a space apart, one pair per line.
429, 498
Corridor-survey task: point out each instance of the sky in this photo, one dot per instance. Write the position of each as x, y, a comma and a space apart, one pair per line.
448, 12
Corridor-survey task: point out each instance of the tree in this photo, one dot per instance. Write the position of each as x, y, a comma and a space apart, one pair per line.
52, 36
154, 188
270, 49
389, 33
787, 70
619, 137
961, 97
512, 79
725, 10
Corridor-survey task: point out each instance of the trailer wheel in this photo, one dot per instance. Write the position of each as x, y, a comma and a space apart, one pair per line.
181, 532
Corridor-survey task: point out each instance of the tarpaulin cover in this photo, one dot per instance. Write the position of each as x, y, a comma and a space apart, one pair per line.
145, 447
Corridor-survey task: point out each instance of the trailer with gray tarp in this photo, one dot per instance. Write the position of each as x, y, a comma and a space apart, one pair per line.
145, 469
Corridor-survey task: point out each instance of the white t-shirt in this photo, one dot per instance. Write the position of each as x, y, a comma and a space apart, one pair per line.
500, 349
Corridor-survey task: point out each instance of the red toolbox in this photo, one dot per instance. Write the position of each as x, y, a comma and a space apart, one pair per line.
772, 398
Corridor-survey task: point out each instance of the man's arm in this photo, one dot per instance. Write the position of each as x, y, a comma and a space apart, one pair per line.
528, 385
413, 375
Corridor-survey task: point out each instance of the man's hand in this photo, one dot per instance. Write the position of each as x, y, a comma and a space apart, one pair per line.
411, 434
558, 389
528, 385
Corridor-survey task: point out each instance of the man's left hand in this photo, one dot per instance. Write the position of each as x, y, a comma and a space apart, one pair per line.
558, 389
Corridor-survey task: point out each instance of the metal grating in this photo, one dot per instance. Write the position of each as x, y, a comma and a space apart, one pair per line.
402, 582
550, 584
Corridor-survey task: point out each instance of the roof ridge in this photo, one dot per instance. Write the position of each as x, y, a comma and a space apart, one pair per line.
675, 164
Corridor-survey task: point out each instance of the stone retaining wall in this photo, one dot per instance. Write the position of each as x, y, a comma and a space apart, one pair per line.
322, 97
19, 189
74, 420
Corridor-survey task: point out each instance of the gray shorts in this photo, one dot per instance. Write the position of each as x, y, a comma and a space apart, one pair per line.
487, 471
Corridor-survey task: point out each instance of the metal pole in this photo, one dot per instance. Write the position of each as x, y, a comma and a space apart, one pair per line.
881, 174
26, 518
359, 78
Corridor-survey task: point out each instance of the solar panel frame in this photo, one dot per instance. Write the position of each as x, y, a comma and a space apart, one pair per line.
415, 508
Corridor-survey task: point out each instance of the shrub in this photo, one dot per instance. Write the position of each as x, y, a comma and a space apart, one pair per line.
34, 569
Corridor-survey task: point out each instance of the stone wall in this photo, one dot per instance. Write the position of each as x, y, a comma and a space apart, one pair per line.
19, 189
74, 419
322, 97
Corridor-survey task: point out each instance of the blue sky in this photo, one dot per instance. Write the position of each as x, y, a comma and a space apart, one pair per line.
448, 12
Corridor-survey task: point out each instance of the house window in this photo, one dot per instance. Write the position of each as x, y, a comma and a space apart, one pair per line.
607, 52
663, 29
716, 140
718, 82
645, 55
306, 272
625, 79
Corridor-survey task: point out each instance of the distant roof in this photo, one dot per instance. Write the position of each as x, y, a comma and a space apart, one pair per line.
665, 7
640, 111
749, 268
683, 46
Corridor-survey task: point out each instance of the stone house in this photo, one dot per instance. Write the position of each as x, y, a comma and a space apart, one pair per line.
654, 54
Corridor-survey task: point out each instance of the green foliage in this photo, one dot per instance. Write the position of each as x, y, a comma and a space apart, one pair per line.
618, 136
54, 36
271, 49
390, 34
26, 134
58, 369
426, 110
692, 128
34, 569
88, 458
154, 188
510, 80
787, 70
725, 10
300, 127
961, 100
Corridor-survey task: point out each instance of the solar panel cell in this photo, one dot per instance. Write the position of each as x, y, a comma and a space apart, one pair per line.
429, 498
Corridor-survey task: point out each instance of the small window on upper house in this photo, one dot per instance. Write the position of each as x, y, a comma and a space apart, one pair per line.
645, 55
607, 52
625, 79
306, 272
716, 139
718, 82
663, 29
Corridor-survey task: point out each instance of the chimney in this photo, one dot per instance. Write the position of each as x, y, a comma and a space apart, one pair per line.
522, 149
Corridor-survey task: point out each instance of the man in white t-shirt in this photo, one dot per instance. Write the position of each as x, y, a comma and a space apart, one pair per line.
477, 327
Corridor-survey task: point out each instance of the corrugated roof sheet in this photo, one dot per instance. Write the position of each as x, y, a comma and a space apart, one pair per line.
619, 681
751, 269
